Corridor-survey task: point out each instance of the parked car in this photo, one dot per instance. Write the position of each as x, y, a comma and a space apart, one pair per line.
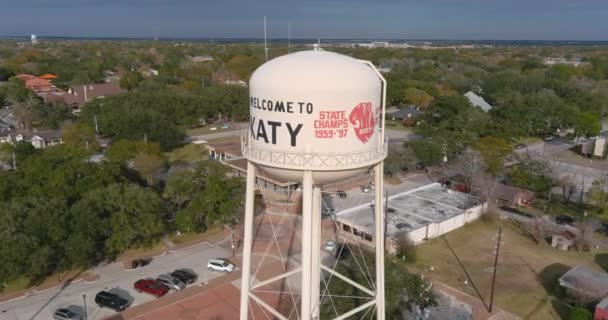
520, 146
185, 276
140, 263
106, 299
151, 286
328, 211
220, 265
330, 246
564, 219
171, 282
342, 251
66, 314
549, 137
341, 194
366, 189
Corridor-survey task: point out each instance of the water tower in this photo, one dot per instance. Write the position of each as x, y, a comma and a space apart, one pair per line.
316, 117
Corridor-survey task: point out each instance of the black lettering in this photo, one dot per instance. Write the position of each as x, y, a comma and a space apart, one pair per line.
252, 121
289, 107
301, 104
293, 133
274, 126
279, 106
262, 131
309, 108
269, 105
263, 104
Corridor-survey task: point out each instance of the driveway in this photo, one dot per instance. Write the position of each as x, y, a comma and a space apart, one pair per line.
113, 278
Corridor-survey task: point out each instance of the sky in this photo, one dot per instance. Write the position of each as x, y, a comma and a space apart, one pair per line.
330, 19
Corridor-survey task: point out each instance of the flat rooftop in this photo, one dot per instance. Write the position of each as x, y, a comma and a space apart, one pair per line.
412, 209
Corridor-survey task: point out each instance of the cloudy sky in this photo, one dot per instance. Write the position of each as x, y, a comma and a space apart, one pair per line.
409, 19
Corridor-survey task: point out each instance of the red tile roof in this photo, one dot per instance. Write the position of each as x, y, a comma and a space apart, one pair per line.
48, 76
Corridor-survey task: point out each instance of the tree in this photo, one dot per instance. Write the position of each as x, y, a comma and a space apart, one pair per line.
403, 289
580, 313
130, 80
80, 136
406, 249
149, 166
134, 218
598, 195
399, 160
429, 152
125, 150
470, 164
494, 152
587, 125
28, 112
417, 97
205, 197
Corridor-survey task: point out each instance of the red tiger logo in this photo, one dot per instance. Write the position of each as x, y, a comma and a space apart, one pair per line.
363, 120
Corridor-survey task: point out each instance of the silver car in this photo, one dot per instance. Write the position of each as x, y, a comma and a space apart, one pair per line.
66, 314
171, 282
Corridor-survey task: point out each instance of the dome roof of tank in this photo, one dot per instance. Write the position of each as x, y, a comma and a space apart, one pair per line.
317, 69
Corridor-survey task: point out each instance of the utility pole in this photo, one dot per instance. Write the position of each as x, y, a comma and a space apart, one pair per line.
84, 299
96, 125
265, 44
496, 253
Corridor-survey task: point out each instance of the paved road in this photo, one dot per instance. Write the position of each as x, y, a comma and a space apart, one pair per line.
584, 175
114, 279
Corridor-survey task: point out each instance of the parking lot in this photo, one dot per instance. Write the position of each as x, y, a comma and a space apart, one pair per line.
112, 278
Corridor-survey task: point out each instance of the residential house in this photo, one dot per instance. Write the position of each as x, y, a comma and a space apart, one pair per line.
200, 58
408, 115
25, 77
563, 240
39, 85
48, 76
478, 101
513, 196
39, 139
79, 95
587, 285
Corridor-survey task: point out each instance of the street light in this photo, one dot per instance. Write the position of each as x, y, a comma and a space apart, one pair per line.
84, 299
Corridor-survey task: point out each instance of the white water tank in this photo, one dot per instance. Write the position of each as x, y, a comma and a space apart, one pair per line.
315, 110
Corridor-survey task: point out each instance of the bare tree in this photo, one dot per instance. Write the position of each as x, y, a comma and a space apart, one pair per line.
566, 183
485, 185
469, 164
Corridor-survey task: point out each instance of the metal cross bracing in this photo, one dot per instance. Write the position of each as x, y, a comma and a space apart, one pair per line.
307, 302
312, 161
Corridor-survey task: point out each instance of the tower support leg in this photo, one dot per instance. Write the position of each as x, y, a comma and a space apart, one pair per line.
315, 291
307, 211
247, 241
379, 239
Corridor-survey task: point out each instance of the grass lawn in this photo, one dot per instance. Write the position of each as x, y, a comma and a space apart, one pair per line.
527, 272
14, 285
142, 252
392, 180
187, 153
191, 237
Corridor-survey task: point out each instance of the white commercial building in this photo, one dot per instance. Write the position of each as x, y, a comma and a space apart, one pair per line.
423, 213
